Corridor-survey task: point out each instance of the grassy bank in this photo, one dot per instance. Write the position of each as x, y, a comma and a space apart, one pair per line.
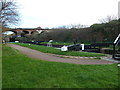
19, 71
58, 43
59, 52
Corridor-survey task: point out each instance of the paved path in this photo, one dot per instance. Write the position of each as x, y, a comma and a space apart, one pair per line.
51, 57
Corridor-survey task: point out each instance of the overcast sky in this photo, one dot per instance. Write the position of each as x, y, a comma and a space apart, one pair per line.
51, 13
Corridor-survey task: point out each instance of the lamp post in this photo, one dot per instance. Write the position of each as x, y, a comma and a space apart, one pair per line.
119, 10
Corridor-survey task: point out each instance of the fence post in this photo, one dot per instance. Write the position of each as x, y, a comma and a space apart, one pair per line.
113, 56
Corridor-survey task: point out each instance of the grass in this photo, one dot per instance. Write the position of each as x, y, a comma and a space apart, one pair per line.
58, 43
59, 52
65, 43
0, 66
19, 71
69, 42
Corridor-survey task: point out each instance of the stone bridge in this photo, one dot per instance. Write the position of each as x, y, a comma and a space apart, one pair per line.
28, 31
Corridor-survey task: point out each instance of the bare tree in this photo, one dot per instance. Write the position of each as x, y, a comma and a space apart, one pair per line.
77, 26
108, 19
71, 26
8, 13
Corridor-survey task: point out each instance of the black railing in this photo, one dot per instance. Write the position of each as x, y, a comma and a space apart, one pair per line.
116, 43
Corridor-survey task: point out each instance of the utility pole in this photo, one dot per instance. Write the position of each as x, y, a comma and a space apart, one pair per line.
119, 10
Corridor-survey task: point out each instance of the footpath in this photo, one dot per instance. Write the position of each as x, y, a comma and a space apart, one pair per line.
56, 58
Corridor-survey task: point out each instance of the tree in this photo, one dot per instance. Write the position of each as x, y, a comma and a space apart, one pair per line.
77, 26
8, 13
70, 26
108, 19
107, 31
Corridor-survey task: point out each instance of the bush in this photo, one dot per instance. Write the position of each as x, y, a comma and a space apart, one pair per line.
22, 39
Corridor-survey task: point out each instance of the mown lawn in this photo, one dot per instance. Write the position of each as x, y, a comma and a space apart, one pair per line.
19, 71
58, 43
59, 52
64, 43
0, 66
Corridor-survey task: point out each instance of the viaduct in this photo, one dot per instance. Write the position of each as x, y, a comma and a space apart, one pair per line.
28, 31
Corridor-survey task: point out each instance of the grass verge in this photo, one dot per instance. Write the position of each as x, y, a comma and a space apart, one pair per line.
19, 71
52, 50
58, 43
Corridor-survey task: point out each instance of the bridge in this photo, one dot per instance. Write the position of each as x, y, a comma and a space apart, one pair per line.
28, 31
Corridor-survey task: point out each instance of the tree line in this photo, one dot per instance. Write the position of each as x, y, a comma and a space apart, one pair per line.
104, 32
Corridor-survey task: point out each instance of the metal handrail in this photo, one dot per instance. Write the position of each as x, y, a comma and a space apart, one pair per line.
116, 42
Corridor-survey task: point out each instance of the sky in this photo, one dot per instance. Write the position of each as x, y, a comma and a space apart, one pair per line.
53, 13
